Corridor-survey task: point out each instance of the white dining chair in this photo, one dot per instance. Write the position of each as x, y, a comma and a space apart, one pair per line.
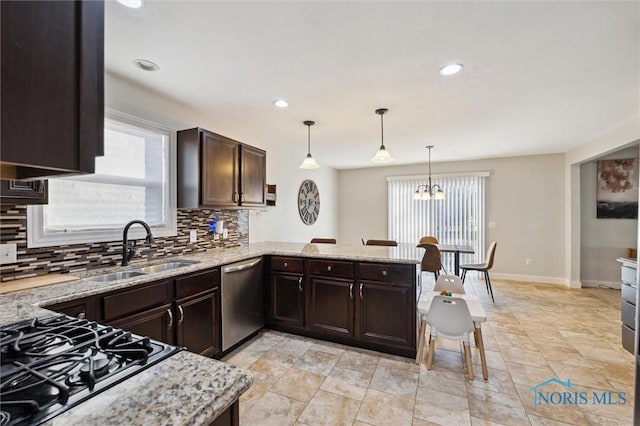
449, 318
451, 283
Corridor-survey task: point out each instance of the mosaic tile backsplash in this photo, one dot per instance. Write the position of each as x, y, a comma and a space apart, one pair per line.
81, 257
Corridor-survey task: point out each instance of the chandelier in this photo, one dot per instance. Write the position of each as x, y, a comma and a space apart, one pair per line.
428, 192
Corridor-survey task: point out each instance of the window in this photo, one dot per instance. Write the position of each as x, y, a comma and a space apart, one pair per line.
135, 179
459, 219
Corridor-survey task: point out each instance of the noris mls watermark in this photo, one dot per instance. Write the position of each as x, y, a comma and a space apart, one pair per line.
555, 392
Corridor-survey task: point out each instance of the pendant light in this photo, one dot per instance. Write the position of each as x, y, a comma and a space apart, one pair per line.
309, 163
428, 192
382, 156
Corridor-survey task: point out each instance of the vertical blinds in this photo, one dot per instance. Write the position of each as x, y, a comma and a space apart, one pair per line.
459, 219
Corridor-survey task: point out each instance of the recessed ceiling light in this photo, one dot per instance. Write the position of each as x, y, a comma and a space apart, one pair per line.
143, 64
451, 69
134, 4
281, 103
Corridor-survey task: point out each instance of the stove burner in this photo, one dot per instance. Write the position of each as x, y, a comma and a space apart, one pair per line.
51, 364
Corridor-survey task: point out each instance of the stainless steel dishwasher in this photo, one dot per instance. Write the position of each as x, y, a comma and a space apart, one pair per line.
242, 301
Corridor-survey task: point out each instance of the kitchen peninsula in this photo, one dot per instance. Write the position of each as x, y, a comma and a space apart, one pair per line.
189, 389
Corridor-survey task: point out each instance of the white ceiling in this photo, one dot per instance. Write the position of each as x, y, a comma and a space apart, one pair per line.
539, 77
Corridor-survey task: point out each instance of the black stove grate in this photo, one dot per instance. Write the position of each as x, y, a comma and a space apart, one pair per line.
51, 364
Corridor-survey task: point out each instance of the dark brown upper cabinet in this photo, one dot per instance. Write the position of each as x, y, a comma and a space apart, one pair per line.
215, 171
52, 106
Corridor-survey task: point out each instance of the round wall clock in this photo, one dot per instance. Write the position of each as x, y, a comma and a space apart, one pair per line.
308, 202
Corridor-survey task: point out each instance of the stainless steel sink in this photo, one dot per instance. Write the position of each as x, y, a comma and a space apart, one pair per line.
167, 266
115, 276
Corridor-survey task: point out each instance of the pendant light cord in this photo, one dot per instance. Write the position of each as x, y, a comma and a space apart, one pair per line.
382, 130
308, 139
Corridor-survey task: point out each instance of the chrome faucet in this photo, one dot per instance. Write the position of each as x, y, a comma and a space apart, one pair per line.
129, 252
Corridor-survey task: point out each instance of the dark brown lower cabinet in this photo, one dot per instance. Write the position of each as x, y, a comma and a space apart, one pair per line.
229, 417
287, 300
85, 308
158, 324
332, 306
371, 305
386, 313
198, 327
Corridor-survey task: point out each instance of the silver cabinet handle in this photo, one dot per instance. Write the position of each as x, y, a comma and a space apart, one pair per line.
286, 265
351, 291
170, 318
329, 268
384, 272
234, 198
82, 315
242, 197
181, 315
241, 266
361, 296
300, 284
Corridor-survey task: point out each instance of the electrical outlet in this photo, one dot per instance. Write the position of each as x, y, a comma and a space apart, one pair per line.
225, 233
193, 236
8, 253
528, 261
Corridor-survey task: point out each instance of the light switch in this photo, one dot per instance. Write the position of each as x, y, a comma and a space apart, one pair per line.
8, 253
193, 236
492, 224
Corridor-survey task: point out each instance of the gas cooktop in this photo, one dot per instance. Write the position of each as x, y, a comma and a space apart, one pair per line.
53, 363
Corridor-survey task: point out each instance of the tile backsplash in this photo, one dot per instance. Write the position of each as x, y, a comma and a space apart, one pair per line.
80, 257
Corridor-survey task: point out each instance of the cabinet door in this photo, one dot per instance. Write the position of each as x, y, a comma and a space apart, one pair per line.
332, 306
386, 313
156, 323
23, 192
219, 171
85, 308
287, 300
253, 166
198, 323
52, 86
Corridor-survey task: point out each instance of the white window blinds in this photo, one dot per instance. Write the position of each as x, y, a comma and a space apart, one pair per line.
459, 219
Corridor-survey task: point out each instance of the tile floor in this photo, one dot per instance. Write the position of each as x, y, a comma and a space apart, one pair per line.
533, 333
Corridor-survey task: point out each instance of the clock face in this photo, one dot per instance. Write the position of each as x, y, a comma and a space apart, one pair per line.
308, 202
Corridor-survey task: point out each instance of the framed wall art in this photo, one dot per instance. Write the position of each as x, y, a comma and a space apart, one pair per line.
617, 190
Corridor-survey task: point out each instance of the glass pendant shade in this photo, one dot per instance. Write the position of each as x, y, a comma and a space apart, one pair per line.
309, 163
382, 156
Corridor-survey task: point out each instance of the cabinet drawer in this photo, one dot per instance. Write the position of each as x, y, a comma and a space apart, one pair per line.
629, 275
197, 283
331, 268
628, 337
628, 293
286, 264
387, 272
628, 314
136, 300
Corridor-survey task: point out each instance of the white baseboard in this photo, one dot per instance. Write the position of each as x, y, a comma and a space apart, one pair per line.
533, 279
598, 284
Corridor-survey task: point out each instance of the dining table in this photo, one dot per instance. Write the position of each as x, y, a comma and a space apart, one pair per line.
456, 249
478, 316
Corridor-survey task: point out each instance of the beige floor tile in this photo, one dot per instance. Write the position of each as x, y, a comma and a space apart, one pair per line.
358, 361
494, 359
418, 422
293, 346
298, 384
382, 409
394, 378
270, 367
317, 362
440, 380
476, 421
523, 356
328, 347
330, 409
542, 421
489, 409
527, 375
451, 415
343, 388
614, 372
273, 409
564, 413
579, 375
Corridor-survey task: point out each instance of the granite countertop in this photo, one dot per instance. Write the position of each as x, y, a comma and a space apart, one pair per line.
185, 388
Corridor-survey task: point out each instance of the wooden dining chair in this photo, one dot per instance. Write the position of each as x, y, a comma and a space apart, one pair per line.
482, 267
323, 241
431, 259
428, 240
389, 243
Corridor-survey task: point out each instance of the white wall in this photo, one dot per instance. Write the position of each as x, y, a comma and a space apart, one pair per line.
274, 223
602, 240
524, 197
